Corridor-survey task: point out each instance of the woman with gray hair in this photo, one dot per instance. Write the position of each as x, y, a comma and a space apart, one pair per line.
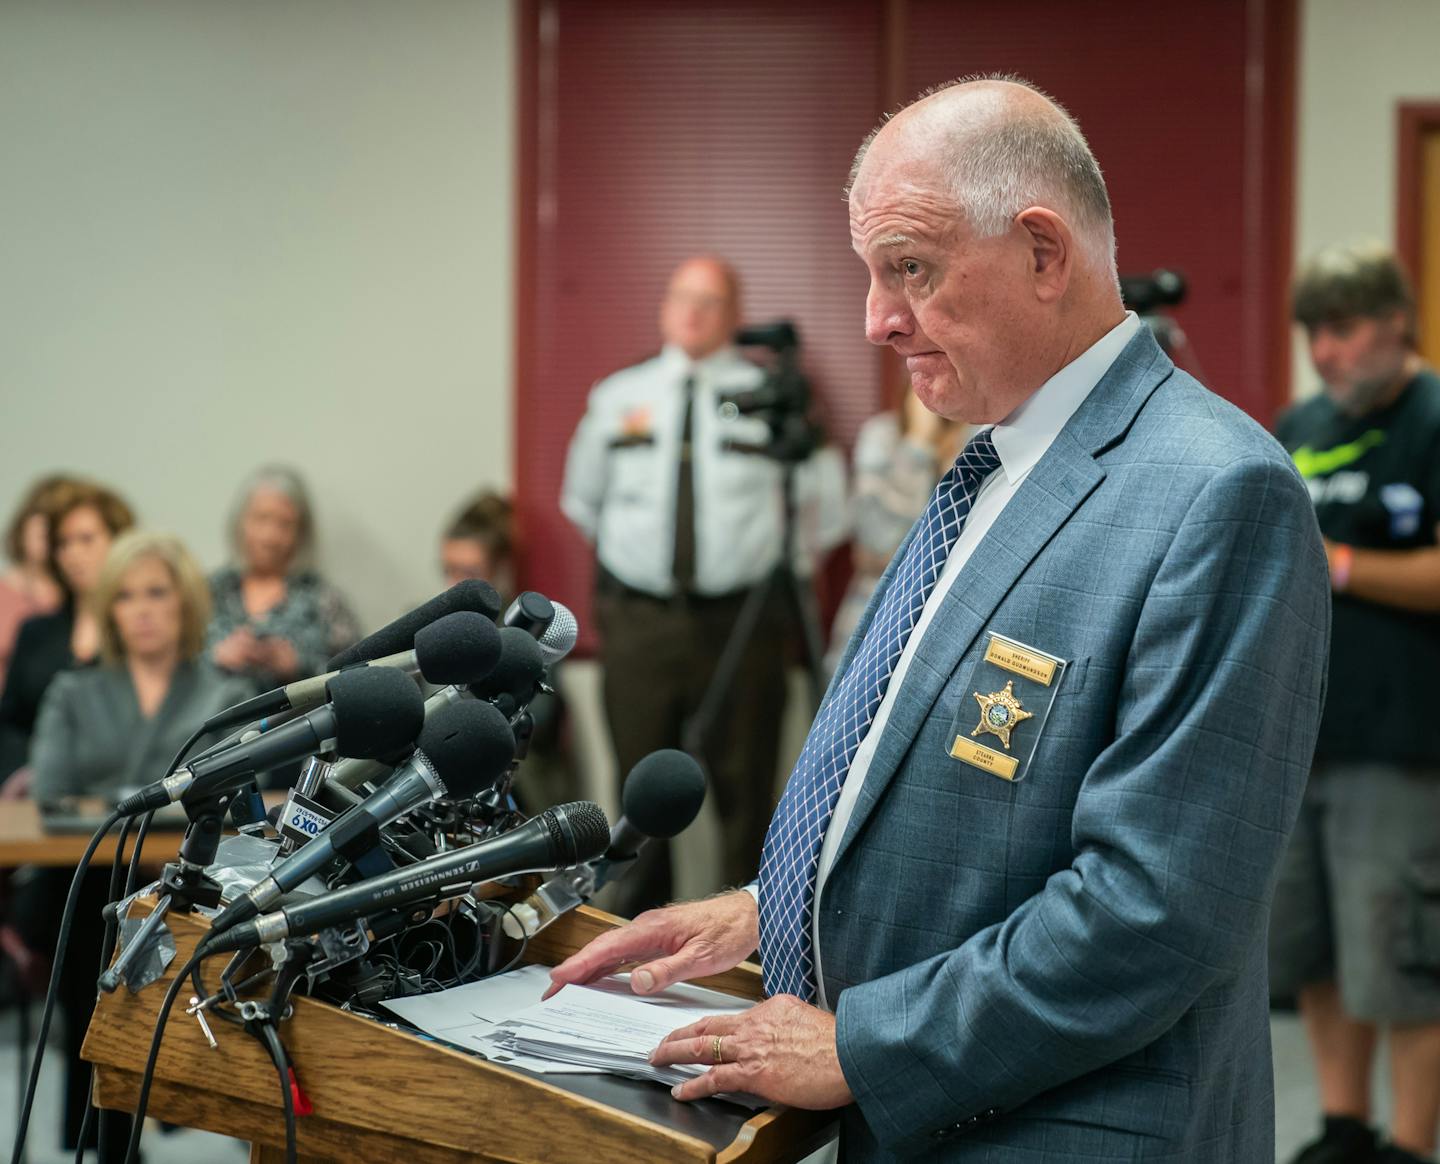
275, 618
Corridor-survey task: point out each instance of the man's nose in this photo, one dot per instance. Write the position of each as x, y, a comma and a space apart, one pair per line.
887, 316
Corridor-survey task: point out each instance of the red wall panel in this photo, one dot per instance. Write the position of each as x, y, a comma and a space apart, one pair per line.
666, 130
652, 130
1160, 91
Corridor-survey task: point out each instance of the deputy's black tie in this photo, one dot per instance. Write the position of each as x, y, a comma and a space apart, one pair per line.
684, 568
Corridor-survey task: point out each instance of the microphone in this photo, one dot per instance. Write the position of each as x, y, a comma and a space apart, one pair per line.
510, 686
662, 797
345, 776
559, 637
551, 624
558, 837
531, 611
459, 648
473, 594
516, 674
460, 752
372, 712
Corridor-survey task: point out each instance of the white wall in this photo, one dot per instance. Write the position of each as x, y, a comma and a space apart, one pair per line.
240, 232
1357, 60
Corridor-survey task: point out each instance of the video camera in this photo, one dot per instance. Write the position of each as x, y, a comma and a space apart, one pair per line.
1145, 295
783, 399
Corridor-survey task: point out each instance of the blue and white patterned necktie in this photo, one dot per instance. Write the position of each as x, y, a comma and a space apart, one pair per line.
792, 844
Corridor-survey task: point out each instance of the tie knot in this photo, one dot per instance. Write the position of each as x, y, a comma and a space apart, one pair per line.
979, 458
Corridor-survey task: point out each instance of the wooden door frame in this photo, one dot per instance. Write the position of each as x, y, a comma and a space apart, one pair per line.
1414, 120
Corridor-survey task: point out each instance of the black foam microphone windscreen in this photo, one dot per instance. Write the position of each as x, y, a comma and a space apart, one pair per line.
377, 709
520, 667
470, 744
473, 594
461, 647
663, 793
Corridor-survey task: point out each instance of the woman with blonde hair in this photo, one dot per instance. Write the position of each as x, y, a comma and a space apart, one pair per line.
116, 726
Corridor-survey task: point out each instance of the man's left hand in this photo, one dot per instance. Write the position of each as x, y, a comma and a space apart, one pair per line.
782, 1050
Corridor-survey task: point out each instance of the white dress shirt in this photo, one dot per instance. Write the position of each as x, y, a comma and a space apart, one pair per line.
1021, 439
623, 465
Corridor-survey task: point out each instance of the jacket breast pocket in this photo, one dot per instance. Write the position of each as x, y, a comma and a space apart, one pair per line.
1004, 705
634, 470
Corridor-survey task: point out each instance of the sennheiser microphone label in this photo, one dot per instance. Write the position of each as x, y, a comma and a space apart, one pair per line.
303, 819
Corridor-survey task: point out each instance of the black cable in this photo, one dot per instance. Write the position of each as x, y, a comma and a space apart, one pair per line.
189, 743
107, 949
505, 907
132, 1152
477, 951
67, 922
271, 1038
214, 1003
132, 877
117, 864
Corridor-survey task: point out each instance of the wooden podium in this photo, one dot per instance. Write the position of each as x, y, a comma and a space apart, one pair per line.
381, 1094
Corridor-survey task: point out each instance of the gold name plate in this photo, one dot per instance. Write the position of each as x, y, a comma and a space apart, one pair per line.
986, 759
1017, 659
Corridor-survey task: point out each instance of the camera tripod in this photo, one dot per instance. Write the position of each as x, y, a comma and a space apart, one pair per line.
799, 600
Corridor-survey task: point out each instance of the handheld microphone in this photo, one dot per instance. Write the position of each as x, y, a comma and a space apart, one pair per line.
531, 611
662, 797
558, 837
457, 648
559, 637
461, 752
551, 624
473, 594
372, 712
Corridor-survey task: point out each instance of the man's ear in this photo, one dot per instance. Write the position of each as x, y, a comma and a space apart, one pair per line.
1051, 247
1397, 323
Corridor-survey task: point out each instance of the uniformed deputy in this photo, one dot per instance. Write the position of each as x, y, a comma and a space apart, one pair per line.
683, 525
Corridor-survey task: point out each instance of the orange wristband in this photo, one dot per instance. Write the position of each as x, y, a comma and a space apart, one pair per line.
1342, 557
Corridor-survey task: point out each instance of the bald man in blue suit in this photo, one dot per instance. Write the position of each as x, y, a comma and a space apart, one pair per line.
1013, 902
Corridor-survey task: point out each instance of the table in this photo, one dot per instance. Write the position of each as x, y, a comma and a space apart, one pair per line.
23, 841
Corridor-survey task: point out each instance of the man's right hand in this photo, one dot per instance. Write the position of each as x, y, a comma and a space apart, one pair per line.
670, 945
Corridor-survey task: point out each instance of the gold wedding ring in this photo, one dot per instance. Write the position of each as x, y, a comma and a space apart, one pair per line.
717, 1053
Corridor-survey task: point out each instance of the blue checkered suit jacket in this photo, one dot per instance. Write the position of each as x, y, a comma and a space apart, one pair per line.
1072, 967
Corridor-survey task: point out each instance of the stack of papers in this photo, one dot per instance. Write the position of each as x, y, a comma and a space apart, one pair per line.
597, 1028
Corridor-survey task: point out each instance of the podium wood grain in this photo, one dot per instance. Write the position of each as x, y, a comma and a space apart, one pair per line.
382, 1094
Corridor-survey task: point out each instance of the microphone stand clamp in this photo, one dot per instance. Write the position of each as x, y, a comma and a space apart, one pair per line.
185, 880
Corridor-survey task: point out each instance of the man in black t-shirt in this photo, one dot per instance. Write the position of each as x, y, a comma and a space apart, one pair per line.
1355, 933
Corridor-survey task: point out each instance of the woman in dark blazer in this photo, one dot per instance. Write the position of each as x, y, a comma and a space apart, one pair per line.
83, 523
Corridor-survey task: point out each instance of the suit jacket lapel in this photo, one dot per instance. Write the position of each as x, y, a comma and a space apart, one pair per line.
1055, 488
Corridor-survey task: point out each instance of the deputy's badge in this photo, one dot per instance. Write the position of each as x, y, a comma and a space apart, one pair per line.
1021, 683
1000, 713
